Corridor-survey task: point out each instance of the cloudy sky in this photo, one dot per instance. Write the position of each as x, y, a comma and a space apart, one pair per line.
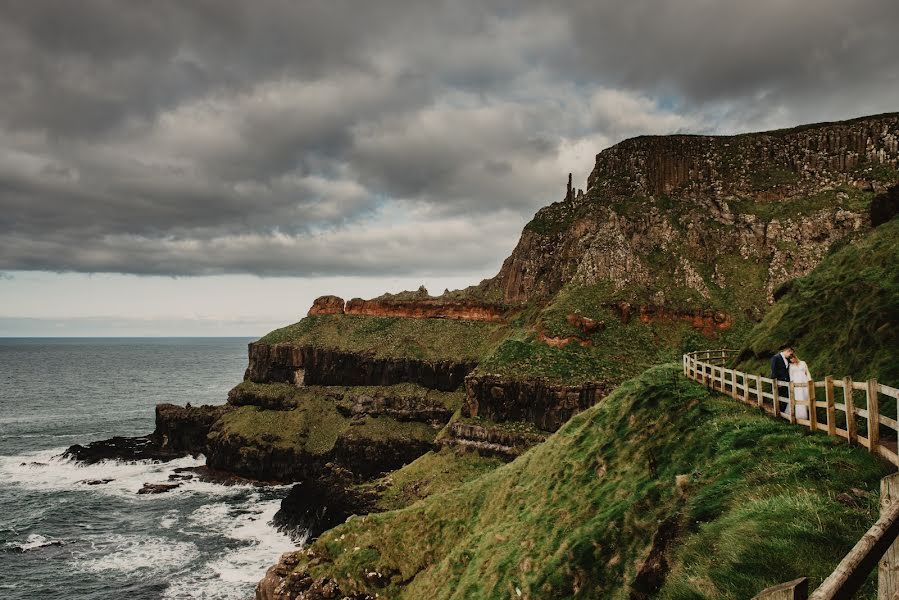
210, 167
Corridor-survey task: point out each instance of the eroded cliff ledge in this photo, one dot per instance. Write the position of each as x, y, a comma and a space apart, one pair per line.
415, 308
311, 365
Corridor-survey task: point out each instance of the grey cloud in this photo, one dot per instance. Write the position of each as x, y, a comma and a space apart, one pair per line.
282, 138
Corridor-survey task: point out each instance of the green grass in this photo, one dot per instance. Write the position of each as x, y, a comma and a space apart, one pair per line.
450, 400
431, 473
389, 337
855, 200
618, 352
383, 429
313, 426
575, 517
842, 317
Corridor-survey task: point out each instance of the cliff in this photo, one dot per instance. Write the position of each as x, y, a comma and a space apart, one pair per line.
777, 200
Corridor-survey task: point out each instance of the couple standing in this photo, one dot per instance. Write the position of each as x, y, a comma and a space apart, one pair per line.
786, 367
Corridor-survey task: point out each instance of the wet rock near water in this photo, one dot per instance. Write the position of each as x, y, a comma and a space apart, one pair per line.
96, 481
158, 488
121, 448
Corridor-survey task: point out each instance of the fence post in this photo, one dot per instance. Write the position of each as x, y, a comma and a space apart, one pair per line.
792, 400
775, 391
733, 384
745, 388
760, 399
812, 409
888, 572
873, 415
792, 590
851, 426
831, 411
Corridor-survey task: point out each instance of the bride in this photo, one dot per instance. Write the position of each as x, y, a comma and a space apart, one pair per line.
799, 374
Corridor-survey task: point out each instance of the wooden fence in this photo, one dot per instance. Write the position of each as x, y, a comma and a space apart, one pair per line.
853, 410
858, 420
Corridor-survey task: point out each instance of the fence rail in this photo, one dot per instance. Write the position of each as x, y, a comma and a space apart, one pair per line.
852, 410
837, 412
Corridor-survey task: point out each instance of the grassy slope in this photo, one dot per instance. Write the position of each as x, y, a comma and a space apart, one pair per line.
312, 423
431, 473
434, 339
618, 352
575, 517
842, 318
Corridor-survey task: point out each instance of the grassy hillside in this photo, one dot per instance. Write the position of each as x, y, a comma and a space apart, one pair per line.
842, 318
435, 339
617, 351
733, 501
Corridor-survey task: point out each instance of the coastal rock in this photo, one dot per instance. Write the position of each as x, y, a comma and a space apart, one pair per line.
319, 504
326, 305
158, 488
310, 365
121, 448
490, 440
180, 430
535, 401
431, 308
184, 428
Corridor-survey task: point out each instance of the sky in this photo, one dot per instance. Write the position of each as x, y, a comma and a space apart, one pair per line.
210, 167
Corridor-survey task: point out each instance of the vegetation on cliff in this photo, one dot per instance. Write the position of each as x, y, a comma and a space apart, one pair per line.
394, 337
842, 317
731, 500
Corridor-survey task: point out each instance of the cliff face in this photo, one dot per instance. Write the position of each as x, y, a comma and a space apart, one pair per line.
311, 365
545, 405
410, 308
777, 199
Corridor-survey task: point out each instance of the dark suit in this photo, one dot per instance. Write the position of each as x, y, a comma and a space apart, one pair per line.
780, 371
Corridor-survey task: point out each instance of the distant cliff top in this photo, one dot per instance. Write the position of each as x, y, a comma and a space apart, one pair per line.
766, 165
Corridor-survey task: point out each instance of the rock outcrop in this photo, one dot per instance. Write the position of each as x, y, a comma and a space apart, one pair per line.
885, 206
180, 430
326, 305
184, 428
310, 365
705, 197
469, 310
545, 405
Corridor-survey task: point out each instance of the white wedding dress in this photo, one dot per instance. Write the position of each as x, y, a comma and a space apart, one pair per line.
799, 374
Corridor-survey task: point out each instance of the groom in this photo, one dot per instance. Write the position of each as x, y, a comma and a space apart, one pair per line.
780, 371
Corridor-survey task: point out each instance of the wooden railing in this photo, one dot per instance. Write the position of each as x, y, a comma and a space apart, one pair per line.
853, 410
837, 415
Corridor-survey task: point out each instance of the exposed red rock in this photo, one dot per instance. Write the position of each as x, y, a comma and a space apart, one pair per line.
562, 341
705, 320
427, 309
327, 305
585, 324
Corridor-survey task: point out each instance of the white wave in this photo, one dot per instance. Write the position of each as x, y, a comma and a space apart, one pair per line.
45, 470
235, 572
33, 542
130, 553
169, 519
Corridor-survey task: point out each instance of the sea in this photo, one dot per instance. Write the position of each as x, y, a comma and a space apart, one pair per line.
63, 538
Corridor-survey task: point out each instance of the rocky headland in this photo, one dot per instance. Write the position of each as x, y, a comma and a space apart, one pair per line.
678, 242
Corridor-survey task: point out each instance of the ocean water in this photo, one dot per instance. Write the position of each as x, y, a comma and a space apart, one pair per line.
62, 538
